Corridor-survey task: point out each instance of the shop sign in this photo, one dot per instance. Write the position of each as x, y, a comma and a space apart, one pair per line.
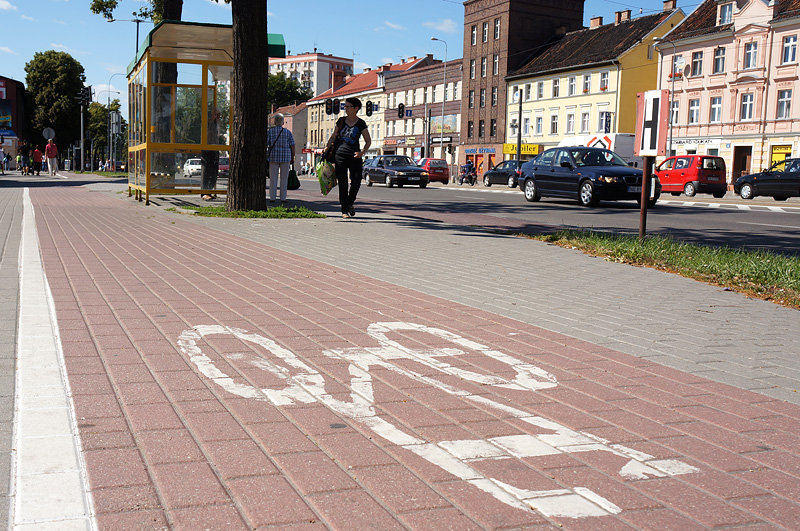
683, 141
401, 141
475, 151
527, 149
390, 142
445, 139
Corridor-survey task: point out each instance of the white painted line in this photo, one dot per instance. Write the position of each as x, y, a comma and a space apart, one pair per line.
743, 207
49, 486
776, 209
770, 225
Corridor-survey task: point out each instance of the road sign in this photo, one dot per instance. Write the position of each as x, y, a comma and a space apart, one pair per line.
48, 133
651, 123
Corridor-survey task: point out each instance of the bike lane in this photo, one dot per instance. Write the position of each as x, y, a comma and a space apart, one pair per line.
222, 382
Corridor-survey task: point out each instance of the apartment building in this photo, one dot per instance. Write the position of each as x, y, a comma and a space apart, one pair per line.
582, 87
315, 71
499, 37
430, 127
732, 71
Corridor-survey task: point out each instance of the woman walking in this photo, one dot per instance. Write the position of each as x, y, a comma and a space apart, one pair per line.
280, 157
349, 154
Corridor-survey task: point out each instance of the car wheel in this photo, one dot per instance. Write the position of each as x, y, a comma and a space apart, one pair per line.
719, 195
780, 197
530, 191
746, 191
486, 181
368, 180
689, 189
512, 182
586, 196
423, 185
389, 182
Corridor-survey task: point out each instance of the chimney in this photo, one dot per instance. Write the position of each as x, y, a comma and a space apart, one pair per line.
367, 69
411, 59
621, 16
669, 5
595, 22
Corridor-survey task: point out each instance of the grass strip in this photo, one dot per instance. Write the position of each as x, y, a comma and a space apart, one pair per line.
276, 212
762, 274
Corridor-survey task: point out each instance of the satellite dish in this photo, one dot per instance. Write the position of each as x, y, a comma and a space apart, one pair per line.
48, 133
687, 70
517, 95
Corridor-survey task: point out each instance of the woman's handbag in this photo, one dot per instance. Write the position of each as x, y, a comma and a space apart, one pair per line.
293, 183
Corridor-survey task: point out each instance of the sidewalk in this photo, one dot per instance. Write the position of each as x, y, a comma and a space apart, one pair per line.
402, 369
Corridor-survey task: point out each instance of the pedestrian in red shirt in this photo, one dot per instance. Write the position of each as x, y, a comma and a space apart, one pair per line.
51, 152
37, 160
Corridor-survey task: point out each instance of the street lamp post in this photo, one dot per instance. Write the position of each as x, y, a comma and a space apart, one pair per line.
444, 93
110, 152
672, 89
135, 19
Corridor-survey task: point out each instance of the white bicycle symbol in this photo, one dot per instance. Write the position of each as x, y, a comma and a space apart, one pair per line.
303, 384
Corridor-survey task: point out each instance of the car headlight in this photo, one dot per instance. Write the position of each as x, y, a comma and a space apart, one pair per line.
423, 174
607, 179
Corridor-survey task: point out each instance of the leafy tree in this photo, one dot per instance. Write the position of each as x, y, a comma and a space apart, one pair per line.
283, 90
159, 9
98, 128
53, 80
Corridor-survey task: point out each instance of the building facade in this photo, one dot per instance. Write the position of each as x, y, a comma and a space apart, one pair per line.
732, 71
499, 37
582, 88
315, 71
12, 113
430, 126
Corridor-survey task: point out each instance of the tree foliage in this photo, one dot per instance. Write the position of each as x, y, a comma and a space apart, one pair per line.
98, 124
157, 11
53, 80
283, 90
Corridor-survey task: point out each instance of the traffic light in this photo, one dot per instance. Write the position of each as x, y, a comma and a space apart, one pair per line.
369, 108
337, 105
401, 111
329, 106
450, 149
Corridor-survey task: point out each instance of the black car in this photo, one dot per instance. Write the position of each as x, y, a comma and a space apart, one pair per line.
583, 173
394, 170
505, 172
781, 180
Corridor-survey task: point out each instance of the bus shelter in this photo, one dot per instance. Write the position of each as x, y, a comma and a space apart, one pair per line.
179, 116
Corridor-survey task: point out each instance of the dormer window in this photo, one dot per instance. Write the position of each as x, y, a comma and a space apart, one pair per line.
725, 13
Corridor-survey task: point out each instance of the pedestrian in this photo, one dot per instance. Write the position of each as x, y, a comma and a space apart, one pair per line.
280, 156
37, 160
349, 154
51, 153
25, 151
2, 161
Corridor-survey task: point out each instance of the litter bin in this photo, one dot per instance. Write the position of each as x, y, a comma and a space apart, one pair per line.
67, 165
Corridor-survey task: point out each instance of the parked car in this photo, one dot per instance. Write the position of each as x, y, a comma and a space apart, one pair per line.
437, 169
224, 166
394, 170
506, 172
693, 174
781, 181
192, 167
586, 174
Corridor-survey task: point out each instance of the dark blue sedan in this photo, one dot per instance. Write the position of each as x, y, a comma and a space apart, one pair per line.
583, 173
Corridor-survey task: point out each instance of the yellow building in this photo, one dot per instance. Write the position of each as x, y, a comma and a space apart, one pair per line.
582, 88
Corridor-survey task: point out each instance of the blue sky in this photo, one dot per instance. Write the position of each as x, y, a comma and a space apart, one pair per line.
365, 30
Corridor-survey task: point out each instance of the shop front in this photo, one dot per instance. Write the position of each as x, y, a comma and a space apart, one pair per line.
485, 157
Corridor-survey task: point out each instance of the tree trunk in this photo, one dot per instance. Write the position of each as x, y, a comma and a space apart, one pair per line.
248, 157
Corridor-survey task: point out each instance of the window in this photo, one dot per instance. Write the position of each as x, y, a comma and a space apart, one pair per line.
526, 126
555, 88
719, 60
472, 68
725, 13
496, 28
715, 116
677, 61
789, 49
445, 93
784, 104
570, 124
483, 67
493, 127
694, 111
527, 92
474, 35
554, 124
571, 86
538, 125
750, 54
496, 65
483, 98
604, 81
481, 128
471, 99
604, 122
485, 31
469, 129
746, 112
673, 117
494, 96
697, 63
540, 90
584, 122
587, 83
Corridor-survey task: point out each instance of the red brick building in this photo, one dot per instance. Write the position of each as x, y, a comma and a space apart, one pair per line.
12, 112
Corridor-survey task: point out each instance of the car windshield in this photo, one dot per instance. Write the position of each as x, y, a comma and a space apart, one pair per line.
437, 163
223, 160
596, 157
713, 163
398, 161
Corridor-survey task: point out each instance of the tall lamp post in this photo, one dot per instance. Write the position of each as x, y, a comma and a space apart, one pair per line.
135, 19
444, 93
660, 40
108, 107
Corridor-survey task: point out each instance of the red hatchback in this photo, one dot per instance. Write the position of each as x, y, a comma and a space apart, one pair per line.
437, 170
691, 174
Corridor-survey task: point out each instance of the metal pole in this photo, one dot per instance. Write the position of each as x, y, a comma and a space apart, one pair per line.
82, 161
646, 176
519, 125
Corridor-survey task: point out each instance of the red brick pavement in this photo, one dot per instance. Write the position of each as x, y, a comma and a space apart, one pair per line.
166, 445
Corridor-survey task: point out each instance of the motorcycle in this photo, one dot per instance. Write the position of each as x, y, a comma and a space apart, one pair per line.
468, 176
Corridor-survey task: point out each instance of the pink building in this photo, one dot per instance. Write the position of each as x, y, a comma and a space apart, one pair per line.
733, 78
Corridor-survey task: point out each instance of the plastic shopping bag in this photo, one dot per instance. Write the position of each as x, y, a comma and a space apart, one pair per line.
326, 176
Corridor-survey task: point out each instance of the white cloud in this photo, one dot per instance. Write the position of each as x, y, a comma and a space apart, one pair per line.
64, 48
26, 17
5, 5
359, 66
6, 49
446, 25
394, 26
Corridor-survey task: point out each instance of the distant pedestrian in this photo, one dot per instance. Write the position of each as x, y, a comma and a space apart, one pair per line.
349, 153
280, 157
2, 161
51, 153
25, 151
37, 160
